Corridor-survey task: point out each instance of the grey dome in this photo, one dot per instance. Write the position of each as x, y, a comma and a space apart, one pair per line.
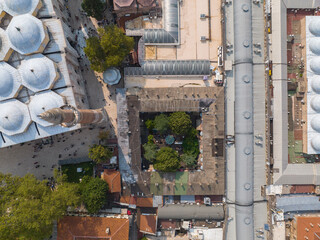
315, 143
315, 123
314, 26
43, 102
315, 84
10, 81
315, 65
38, 72
14, 117
19, 6
25, 33
314, 45
315, 103
6, 82
111, 76
4, 45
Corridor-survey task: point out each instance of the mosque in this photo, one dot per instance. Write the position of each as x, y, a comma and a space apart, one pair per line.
42, 92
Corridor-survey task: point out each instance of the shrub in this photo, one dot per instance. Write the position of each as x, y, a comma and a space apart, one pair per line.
161, 123
150, 151
189, 159
150, 124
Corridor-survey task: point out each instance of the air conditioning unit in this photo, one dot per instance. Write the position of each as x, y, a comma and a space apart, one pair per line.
203, 38
207, 201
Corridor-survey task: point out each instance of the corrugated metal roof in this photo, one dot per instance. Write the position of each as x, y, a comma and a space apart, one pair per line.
298, 203
171, 67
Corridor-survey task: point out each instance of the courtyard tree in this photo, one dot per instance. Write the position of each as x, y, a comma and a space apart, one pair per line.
189, 159
99, 153
180, 123
108, 49
150, 151
190, 143
167, 160
28, 206
150, 124
94, 8
161, 123
94, 193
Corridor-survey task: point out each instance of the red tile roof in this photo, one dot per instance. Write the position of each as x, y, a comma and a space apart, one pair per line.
83, 228
130, 200
144, 202
112, 177
148, 224
308, 227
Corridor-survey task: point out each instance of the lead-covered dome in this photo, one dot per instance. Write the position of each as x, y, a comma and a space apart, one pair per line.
315, 123
14, 117
315, 65
10, 81
43, 102
314, 26
27, 34
38, 72
315, 143
18, 7
5, 49
111, 76
315, 103
315, 84
314, 45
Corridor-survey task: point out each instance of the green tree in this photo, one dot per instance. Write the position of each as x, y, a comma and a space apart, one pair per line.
190, 143
94, 8
161, 123
108, 49
28, 206
150, 124
94, 193
167, 160
189, 159
180, 123
150, 139
99, 153
150, 151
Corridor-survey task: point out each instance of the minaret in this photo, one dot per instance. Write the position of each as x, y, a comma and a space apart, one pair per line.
69, 116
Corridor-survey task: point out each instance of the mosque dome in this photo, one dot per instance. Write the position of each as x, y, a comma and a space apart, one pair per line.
315, 123
315, 103
10, 81
315, 65
4, 46
14, 117
314, 45
43, 102
111, 76
38, 72
26, 34
6, 82
315, 143
315, 84
314, 26
19, 6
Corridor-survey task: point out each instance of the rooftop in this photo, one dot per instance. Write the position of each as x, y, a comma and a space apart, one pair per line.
148, 223
112, 177
80, 228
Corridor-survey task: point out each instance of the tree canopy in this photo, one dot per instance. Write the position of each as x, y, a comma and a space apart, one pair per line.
161, 123
94, 8
99, 153
189, 159
150, 151
28, 206
180, 123
108, 49
190, 143
94, 193
149, 124
167, 160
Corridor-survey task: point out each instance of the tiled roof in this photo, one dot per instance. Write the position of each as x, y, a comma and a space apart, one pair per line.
144, 202
82, 228
130, 200
308, 227
148, 224
112, 177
